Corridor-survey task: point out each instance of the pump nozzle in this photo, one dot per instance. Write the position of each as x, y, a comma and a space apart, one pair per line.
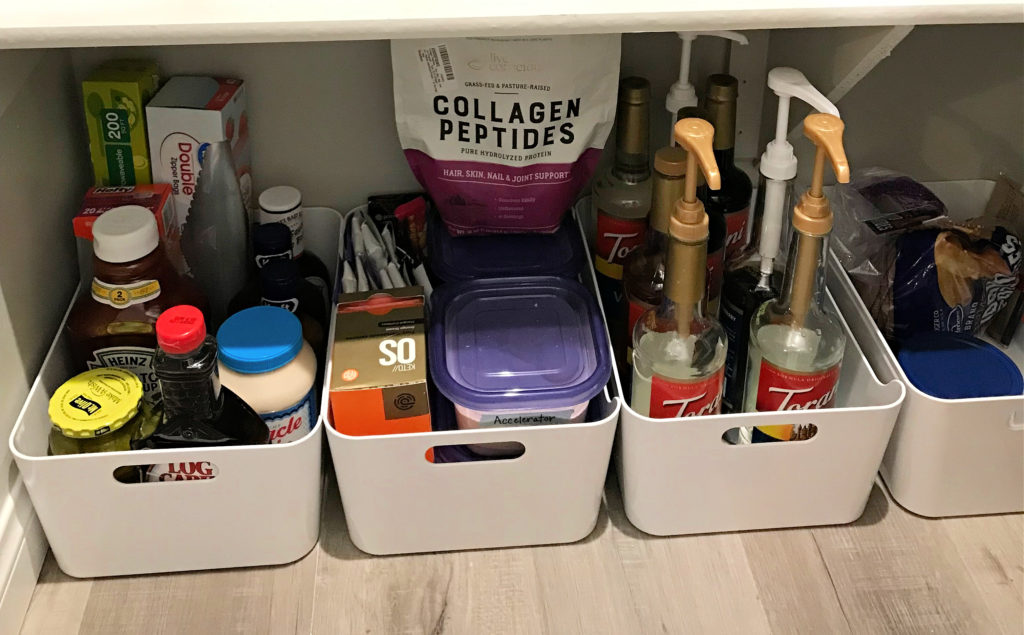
682, 93
688, 227
778, 163
812, 216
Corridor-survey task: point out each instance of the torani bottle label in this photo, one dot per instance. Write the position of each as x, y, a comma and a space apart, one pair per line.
781, 389
736, 233
671, 399
616, 239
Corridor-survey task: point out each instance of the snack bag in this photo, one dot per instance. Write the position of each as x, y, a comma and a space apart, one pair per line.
953, 279
504, 132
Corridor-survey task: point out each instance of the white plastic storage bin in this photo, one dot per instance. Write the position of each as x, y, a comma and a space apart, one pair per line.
946, 457
678, 476
396, 501
262, 507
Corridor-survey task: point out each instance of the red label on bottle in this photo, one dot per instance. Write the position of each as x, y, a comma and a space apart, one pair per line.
781, 389
672, 399
736, 233
616, 238
714, 280
636, 309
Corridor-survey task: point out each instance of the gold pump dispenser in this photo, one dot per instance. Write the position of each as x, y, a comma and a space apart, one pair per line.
812, 216
688, 228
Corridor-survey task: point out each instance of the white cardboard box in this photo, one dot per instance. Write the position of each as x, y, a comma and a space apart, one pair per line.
185, 115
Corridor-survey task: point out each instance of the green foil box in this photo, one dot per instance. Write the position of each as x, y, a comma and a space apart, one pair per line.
115, 96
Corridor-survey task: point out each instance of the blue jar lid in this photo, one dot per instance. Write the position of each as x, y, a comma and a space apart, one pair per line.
957, 366
502, 255
259, 340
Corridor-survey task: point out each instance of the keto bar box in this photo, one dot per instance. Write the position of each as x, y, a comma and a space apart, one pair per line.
379, 363
115, 95
187, 114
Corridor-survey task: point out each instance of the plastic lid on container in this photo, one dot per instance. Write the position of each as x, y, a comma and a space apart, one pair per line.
180, 329
95, 403
259, 340
534, 343
281, 198
124, 234
472, 257
956, 366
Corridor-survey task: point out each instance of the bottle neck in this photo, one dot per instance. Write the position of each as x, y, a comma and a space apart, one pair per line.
665, 191
685, 272
725, 158
803, 288
152, 266
632, 162
722, 114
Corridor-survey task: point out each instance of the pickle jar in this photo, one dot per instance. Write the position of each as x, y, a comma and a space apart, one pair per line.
100, 410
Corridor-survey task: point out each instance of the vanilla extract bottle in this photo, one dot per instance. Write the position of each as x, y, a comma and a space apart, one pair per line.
622, 198
796, 342
678, 352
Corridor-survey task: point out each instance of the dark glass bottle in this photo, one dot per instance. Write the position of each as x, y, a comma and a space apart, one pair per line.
731, 203
745, 290
281, 285
282, 204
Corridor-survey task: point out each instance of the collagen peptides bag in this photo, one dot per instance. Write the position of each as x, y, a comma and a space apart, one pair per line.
503, 133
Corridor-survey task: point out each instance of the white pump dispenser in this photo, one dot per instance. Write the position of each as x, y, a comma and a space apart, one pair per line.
778, 163
682, 93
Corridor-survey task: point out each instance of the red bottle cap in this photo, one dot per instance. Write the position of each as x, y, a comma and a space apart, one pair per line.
180, 329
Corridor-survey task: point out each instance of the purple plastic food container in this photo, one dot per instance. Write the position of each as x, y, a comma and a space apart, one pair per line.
517, 352
501, 256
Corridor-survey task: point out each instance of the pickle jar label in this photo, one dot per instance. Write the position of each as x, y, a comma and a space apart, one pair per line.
781, 389
616, 239
671, 399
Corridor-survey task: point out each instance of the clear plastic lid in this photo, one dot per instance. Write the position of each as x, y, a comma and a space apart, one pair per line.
503, 255
518, 344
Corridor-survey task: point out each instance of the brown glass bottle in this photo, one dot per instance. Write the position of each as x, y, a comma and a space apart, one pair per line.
114, 324
732, 202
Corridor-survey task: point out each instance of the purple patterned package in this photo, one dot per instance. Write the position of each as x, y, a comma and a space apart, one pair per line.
504, 132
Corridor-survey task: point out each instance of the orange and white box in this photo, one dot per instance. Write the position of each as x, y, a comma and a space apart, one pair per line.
379, 364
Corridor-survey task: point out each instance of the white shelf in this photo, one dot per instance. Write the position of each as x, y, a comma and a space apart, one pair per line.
63, 23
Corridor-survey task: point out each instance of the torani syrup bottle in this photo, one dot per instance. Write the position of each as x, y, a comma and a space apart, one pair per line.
622, 198
678, 352
796, 342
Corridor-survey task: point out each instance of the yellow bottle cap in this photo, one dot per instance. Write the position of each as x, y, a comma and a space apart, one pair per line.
95, 403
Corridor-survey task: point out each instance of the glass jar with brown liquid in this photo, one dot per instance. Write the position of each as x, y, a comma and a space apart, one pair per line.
113, 325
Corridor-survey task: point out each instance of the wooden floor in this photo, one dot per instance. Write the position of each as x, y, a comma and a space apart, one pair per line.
890, 572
